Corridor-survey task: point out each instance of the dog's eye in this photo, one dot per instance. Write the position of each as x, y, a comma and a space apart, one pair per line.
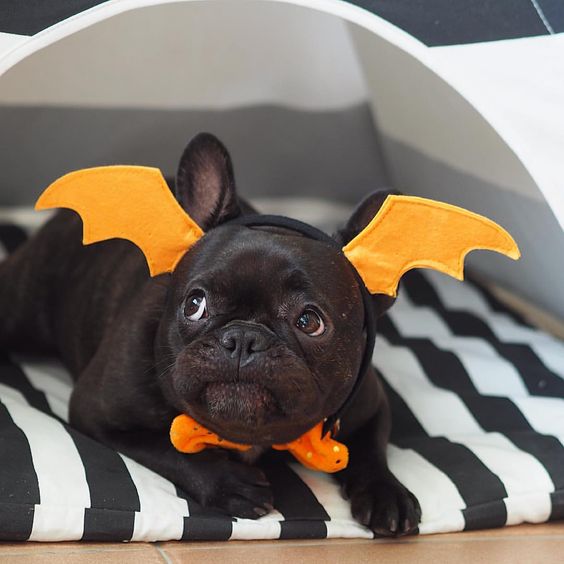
195, 307
311, 323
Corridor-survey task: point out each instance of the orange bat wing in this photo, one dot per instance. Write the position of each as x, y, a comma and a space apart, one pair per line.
127, 202
410, 232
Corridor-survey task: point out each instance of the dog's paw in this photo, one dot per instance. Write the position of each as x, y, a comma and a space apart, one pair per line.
237, 489
385, 506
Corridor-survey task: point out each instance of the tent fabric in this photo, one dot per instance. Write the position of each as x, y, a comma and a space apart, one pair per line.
459, 100
478, 436
434, 22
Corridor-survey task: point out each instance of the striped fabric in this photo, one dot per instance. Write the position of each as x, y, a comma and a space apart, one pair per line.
478, 406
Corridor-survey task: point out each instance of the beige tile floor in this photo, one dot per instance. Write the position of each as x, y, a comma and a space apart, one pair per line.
512, 545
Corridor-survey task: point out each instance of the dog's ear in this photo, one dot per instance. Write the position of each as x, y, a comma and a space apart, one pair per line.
360, 218
205, 184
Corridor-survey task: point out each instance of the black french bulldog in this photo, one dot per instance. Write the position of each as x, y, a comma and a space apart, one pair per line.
258, 334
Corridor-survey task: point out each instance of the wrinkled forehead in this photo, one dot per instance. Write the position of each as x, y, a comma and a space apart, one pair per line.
270, 258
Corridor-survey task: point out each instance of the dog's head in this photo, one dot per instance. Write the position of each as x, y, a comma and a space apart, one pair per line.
263, 332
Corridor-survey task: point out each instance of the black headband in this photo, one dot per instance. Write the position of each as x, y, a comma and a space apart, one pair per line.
332, 422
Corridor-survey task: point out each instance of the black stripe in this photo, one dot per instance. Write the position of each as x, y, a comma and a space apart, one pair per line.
497, 414
292, 497
109, 481
210, 529
486, 516
538, 378
388, 329
444, 369
16, 521
420, 291
108, 525
19, 486
113, 495
12, 236
557, 500
13, 376
32, 16
496, 305
303, 530
476, 483
404, 423
548, 450
455, 22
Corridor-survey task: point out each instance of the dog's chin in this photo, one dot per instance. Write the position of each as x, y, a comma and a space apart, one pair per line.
245, 413
245, 402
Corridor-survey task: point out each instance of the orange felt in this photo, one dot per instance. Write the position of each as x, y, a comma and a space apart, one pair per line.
127, 202
410, 232
317, 452
311, 449
188, 436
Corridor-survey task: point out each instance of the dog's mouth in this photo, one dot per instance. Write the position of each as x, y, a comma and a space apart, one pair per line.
241, 402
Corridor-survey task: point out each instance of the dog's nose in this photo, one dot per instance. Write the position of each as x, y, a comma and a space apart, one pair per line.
243, 341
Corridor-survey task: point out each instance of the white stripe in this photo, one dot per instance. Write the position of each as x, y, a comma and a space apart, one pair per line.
436, 409
464, 297
51, 378
417, 321
545, 415
264, 528
528, 508
491, 373
162, 511
267, 527
440, 500
63, 488
52, 523
442, 413
326, 490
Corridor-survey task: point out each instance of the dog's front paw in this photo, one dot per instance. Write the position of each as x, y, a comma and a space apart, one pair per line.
237, 489
385, 506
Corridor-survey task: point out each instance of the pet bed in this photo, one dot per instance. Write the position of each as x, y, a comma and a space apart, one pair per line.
478, 432
456, 100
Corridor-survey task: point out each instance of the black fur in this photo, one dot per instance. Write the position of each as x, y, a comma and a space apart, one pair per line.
246, 370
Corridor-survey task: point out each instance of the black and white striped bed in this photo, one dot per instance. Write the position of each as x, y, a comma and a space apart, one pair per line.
478, 404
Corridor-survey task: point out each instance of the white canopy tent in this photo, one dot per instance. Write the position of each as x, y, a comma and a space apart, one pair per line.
314, 98
459, 100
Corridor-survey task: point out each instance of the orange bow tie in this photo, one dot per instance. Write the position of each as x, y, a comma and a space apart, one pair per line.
311, 449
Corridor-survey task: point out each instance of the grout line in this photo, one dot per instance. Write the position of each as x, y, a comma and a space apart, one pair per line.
421, 541
162, 552
29, 547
